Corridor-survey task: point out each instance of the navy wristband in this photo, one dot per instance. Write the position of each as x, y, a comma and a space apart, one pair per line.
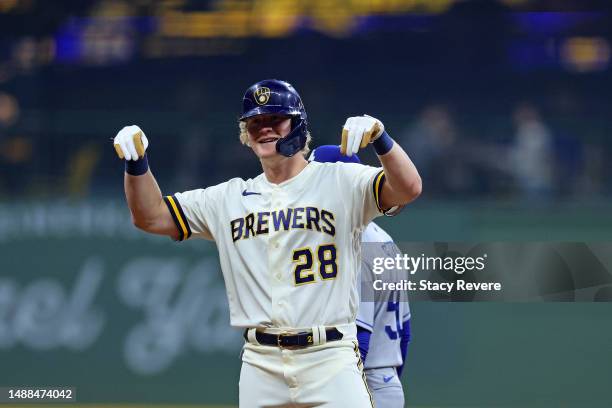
383, 144
138, 167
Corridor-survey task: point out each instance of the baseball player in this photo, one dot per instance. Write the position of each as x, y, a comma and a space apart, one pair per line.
383, 326
288, 243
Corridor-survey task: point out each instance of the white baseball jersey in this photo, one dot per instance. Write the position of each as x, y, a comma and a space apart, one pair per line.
385, 317
289, 252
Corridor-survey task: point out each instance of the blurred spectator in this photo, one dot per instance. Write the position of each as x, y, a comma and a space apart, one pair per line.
432, 144
25, 54
9, 110
15, 149
531, 156
81, 166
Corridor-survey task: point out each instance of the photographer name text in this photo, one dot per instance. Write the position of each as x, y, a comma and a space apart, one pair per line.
424, 284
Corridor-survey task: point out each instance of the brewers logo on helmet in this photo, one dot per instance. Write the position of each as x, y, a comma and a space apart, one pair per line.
262, 95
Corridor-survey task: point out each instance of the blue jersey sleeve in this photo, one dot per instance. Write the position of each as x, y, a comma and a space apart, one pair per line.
405, 339
363, 337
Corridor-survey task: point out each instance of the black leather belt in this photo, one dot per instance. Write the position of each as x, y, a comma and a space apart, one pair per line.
297, 340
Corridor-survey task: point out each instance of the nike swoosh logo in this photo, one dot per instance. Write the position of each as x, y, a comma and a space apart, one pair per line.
387, 379
248, 193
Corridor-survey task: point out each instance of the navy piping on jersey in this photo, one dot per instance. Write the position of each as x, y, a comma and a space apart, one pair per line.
178, 216
367, 326
377, 186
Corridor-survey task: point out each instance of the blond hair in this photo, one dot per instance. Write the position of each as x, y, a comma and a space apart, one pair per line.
244, 137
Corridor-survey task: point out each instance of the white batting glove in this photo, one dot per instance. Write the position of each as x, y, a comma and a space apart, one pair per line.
130, 143
358, 131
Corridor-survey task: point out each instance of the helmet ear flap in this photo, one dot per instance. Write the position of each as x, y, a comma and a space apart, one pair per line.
295, 141
295, 121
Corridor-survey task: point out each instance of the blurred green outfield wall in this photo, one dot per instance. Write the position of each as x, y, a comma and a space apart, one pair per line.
88, 301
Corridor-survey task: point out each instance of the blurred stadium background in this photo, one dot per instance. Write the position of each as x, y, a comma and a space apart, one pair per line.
503, 105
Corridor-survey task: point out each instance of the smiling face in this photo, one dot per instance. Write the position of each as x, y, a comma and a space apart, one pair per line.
264, 131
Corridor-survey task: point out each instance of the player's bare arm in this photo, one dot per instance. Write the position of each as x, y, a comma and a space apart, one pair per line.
402, 181
144, 198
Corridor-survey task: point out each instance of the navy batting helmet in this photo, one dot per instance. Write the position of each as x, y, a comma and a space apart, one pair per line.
274, 96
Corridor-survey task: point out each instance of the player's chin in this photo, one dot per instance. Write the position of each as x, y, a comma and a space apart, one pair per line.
265, 150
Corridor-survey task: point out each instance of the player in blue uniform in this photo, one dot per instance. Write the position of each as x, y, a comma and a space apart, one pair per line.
383, 326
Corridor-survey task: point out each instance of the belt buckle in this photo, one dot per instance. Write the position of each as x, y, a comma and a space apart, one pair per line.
279, 338
285, 334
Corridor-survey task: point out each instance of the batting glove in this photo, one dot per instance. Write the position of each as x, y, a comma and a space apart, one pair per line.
358, 131
130, 143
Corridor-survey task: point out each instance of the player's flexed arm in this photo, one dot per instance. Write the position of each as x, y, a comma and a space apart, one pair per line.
403, 183
144, 198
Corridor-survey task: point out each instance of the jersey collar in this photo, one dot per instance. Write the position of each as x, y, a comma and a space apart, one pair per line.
295, 180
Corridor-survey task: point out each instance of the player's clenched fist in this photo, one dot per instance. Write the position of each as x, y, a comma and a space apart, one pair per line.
358, 131
130, 143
